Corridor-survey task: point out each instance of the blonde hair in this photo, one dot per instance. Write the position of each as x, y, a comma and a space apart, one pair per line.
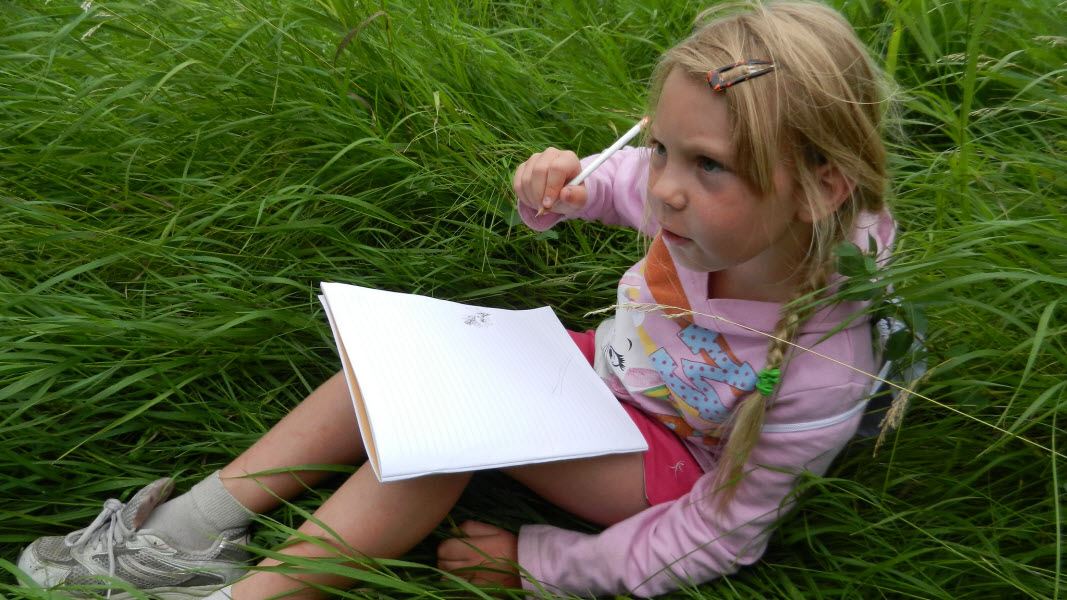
822, 104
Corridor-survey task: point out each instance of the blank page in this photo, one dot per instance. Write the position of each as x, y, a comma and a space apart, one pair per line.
451, 387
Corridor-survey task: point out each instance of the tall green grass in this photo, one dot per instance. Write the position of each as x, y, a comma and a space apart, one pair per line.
176, 178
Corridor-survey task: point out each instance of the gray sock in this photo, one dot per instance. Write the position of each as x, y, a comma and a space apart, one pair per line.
195, 519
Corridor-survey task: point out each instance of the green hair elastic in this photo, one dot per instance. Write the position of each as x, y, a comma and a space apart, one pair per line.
767, 380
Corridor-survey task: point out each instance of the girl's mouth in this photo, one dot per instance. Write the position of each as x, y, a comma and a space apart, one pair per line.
674, 238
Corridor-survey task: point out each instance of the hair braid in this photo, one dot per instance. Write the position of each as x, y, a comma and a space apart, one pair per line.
748, 416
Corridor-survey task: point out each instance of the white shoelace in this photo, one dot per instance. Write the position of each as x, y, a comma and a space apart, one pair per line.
108, 525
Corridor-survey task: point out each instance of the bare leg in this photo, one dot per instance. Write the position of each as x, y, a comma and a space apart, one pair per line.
387, 520
376, 519
603, 489
320, 430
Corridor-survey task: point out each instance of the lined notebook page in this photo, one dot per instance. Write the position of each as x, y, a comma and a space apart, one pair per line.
450, 387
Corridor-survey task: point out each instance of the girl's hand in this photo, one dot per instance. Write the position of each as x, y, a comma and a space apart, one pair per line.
470, 554
541, 182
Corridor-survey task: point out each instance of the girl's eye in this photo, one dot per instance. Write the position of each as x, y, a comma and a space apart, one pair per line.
658, 149
710, 165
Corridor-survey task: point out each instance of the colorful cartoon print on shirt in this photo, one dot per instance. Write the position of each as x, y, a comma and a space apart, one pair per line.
711, 363
618, 359
683, 429
628, 347
631, 366
663, 281
692, 384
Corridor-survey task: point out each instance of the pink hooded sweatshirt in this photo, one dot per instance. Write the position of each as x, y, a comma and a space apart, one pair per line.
689, 373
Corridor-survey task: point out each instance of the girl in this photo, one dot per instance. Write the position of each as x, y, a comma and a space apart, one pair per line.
763, 152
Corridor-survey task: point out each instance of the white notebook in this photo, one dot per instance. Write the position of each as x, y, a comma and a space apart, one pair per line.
444, 387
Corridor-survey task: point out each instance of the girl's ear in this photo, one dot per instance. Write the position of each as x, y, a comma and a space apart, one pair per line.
834, 189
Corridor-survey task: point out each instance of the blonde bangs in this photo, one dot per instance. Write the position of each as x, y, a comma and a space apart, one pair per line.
754, 123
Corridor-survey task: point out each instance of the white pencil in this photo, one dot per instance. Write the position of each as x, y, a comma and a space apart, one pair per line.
606, 154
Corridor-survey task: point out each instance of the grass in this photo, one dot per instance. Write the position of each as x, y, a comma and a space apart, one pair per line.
176, 178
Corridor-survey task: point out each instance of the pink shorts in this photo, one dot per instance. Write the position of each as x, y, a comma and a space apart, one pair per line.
670, 469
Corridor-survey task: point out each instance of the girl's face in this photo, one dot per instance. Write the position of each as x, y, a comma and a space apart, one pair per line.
712, 220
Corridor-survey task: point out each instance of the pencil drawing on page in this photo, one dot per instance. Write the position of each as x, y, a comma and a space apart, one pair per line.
563, 371
477, 319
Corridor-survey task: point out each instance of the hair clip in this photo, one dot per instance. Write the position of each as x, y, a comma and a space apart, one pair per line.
748, 70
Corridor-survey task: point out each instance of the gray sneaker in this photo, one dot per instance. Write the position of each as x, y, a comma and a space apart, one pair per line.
113, 547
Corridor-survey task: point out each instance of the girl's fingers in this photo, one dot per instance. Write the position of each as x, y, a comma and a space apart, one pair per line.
462, 569
487, 555
453, 565
467, 568
538, 181
521, 183
477, 528
559, 168
540, 173
571, 199
556, 176
456, 549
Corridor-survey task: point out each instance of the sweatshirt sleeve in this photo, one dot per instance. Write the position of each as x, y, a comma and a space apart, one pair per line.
688, 541
616, 194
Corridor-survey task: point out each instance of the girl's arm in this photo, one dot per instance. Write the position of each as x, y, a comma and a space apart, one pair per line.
691, 540
614, 195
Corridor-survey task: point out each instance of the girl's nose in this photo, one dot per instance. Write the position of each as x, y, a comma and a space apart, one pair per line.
667, 189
